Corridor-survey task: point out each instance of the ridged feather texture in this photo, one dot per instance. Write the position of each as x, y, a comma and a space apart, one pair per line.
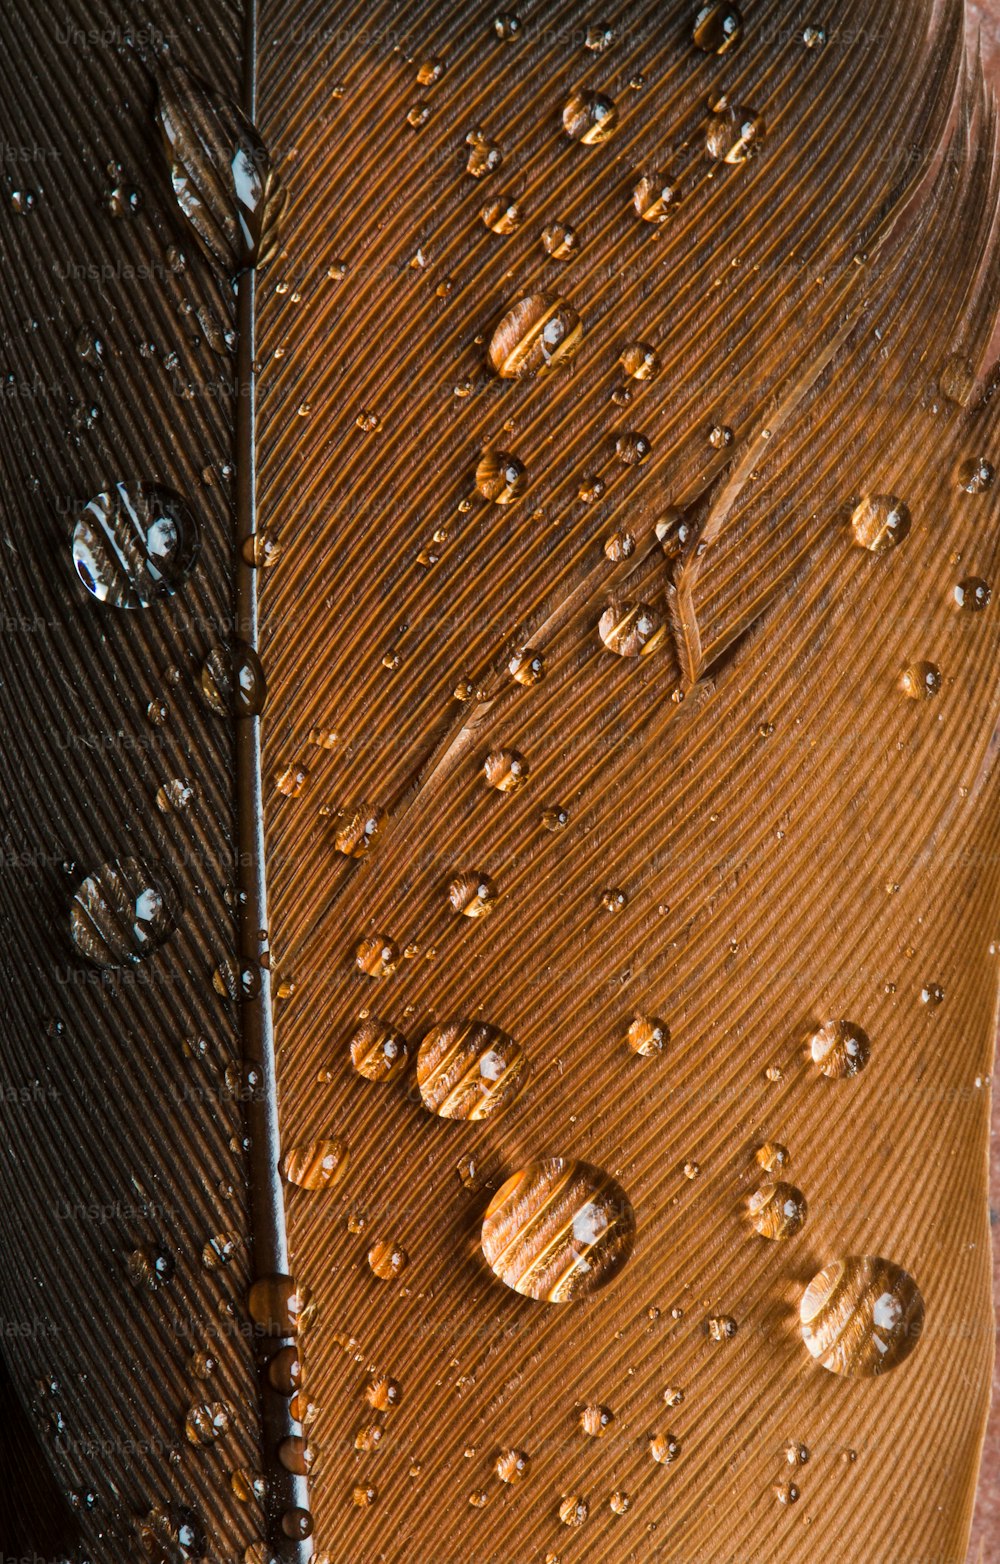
623, 802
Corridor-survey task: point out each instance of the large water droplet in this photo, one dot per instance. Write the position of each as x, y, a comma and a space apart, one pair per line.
120, 914
469, 1070
861, 1315
318, 1165
536, 334
134, 544
559, 1229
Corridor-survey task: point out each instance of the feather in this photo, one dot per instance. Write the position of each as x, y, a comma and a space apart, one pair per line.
521, 1086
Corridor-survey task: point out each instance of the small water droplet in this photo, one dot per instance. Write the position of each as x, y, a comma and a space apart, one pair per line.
560, 241
508, 27
720, 436
631, 630
640, 361
297, 1524
500, 477
664, 1448
206, 1422
387, 1259
814, 37
429, 71
733, 135
260, 550
861, 1315
512, 1466
232, 680
502, 216
573, 1510
920, 681
656, 197
721, 1327
173, 797
589, 117
558, 1230
596, 1419
777, 1210
378, 1051
22, 202
717, 28
648, 1035
537, 333
472, 894
932, 994
506, 770
279, 1306
318, 1165
976, 475
377, 955
296, 1455
973, 594
364, 1495
357, 829
880, 522
484, 157
384, 1394
527, 667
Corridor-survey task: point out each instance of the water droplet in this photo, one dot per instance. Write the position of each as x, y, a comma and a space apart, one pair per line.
120, 914
797, 1454
220, 1250
973, 594
527, 667
614, 899
429, 71
206, 1422
478, 1498
673, 1397
931, 994
640, 361
560, 241
296, 1455
364, 1496
469, 1070
249, 1487
502, 216
506, 770
733, 135
720, 436
22, 202
558, 1229
507, 27
90, 345
632, 448
573, 1510
378, 1051
174, 796
377, 955
957, 379
120, 199
387, 1259
787, 1493
773, 1157
500, 477
260, 550
556, 818
861, 1315
284, 1371
135, 544
631, 630
717, 28
512, 1466
367, 420
880, 522
536, 334
232, 680
655, 197
664, 1448
151, 1265
318, 1165
472, 894
976, 475
721, 1327
384, 1394
920, 681
279, 1306
619, 546
777, 1210
357, 829
596, 1419
814, 37
484, 157
840, 1048
591, 488
589, 117
297, 1524
599, 38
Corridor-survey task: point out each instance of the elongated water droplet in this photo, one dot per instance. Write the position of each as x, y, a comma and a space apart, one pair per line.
558, 1230
861, 1315
469, 1070
387, 1259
